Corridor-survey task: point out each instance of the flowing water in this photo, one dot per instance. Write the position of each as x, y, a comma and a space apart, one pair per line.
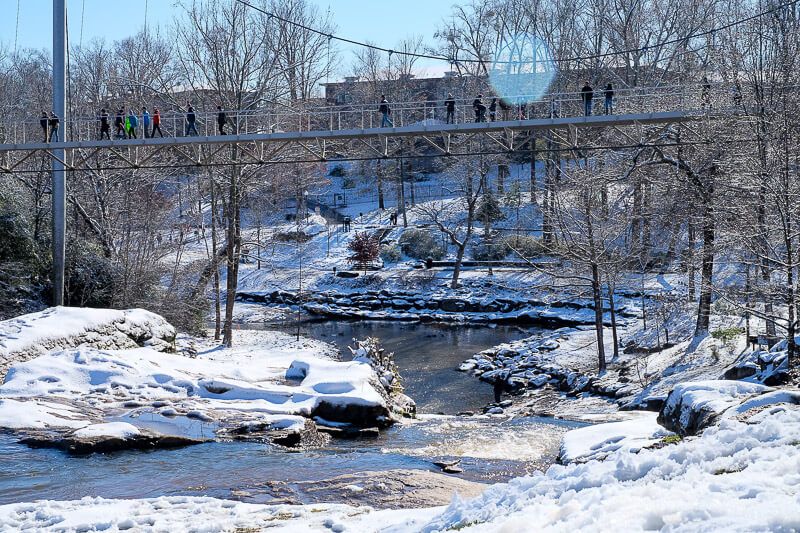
427, 356
490, 449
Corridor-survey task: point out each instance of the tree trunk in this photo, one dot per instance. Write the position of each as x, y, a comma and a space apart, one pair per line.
707, 272
598, 317
457, 266
690, 269
766, 271
613, 311
401, 194
234, 250
215, 263
381, 203
533, 169
636, 219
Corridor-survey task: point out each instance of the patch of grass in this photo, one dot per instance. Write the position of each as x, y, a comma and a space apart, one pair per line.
672, 439
727, 334
281, 516
462, 525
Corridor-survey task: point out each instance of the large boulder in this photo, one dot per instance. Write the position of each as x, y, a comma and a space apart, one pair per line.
29, 336
106, 437
693, 406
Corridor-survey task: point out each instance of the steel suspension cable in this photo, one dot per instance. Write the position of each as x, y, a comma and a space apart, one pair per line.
555, 60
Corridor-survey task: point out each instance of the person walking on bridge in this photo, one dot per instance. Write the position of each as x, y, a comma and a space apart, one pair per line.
505, 109
156, 123
386, 112
608, 92
44, 122
119, 123
133, 123
191, 120
479, 108
145, 122
105, 127
222, 119
450, 107
493, 110
53, 123
587, 94
705, 92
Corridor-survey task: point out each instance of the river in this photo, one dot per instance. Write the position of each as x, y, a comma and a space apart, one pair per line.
490, 449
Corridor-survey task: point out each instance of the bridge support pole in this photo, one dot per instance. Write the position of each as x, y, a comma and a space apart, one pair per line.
59, 179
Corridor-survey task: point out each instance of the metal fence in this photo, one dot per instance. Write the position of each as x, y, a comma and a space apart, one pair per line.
638, 100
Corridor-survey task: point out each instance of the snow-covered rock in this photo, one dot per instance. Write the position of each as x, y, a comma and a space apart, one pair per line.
693, 406
32, 335
768, 367
267, 389
119, 430
738, 476
599, 441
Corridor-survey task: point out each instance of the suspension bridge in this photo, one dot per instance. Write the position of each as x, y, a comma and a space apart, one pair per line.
321, 133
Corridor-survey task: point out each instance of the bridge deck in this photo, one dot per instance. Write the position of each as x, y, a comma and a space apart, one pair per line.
414, 130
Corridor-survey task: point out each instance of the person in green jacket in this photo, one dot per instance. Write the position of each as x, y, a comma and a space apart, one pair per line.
132, 123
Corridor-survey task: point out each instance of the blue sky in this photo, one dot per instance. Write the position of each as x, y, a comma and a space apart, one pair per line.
384, 22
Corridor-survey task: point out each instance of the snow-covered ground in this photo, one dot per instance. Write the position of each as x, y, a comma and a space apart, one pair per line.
34, 334
738, 475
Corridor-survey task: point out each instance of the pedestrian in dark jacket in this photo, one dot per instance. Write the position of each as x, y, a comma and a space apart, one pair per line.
493, 110
43, 122
222, 119
479, 108
156, 123
119, 123
105, 127
705, 92
608, 93
191, 119
499, 387
587, 94
385, 112
450, 106
53, 124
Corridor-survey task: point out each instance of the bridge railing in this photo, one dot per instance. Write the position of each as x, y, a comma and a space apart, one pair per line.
637, 100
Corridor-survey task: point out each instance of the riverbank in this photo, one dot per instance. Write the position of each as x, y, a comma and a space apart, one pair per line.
738, 474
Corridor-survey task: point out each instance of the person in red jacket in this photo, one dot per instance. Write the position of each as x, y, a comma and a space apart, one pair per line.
156, 123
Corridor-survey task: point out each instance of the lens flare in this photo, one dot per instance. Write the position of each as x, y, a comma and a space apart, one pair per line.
522, 68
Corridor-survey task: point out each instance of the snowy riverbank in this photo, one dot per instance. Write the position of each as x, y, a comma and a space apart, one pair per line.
739, 474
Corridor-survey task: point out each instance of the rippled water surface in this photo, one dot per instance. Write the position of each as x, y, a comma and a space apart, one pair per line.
489, 449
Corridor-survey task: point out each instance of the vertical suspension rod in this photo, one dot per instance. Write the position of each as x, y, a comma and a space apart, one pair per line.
59, 178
